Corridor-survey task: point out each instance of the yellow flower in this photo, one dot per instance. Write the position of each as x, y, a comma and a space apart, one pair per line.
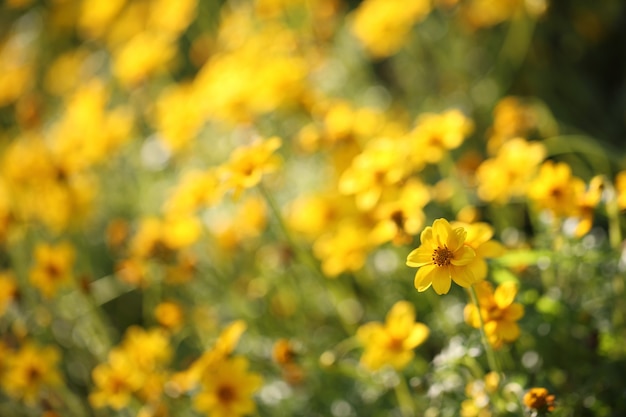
620, 188
148, 349
382, 164
30, 371
586, 205
227, 389
169, 315
115, 381
509, 173
442, 257
345, 249
383, 26
401, 218
392, 343
556, 189
539, 399
499, 313
479, 238
8, 290
436, 134
248, 164
53, 267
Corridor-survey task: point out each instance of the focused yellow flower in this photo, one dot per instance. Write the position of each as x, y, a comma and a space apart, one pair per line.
392, 343
443, 257
227, 388
498, 310
31, 370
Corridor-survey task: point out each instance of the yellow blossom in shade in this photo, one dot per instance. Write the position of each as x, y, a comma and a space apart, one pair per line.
437, 133
512, 118
539, 399
169, 315
248, 164
8, 290
399, 219
498, 310
30, 371
442, 257
555, 189
620, 189
392, 343
509, 174
115, 381
383, 26
479, 238
226, 389
382, 164
586, 206
344, 249
53, 267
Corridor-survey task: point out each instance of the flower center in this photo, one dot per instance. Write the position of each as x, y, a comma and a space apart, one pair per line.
442, 256
226, 394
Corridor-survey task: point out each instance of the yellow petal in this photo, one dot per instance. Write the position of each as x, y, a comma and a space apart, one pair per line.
463, 256
368, 331
400, 319
514, 312
416, 337
462, 276
505, 294
441, 280
456, 239
490, 249
441, 231
420, 256
423, 277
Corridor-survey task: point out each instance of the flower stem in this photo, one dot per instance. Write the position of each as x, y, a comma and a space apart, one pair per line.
407, 406
492, 360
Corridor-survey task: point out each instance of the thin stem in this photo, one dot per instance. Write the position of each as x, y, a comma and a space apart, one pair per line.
407, 406
612, 212
492, 360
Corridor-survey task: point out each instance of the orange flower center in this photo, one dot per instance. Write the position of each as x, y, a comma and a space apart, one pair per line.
226, 394
442, 256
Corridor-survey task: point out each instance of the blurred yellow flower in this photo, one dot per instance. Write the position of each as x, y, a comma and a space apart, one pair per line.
436, 133
479, 238
539, 399
30, 371
498, 310
392, 343
115, 381
384, 26
620, 189
478, 392
141, 56
398, 220
443, 257
344, 249
382, 164
53, 267
248, 164
586, 205
508, 175
169, 315
555, 189
226, 389
8, 290
147, 348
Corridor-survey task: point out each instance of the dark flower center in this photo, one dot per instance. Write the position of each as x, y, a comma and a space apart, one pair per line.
442, 256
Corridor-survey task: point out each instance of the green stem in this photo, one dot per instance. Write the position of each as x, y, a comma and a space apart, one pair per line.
492, 360
612, 212
403, 394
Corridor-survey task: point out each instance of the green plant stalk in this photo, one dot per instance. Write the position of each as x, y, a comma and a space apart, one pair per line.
612, 212
403, 394
492, 360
